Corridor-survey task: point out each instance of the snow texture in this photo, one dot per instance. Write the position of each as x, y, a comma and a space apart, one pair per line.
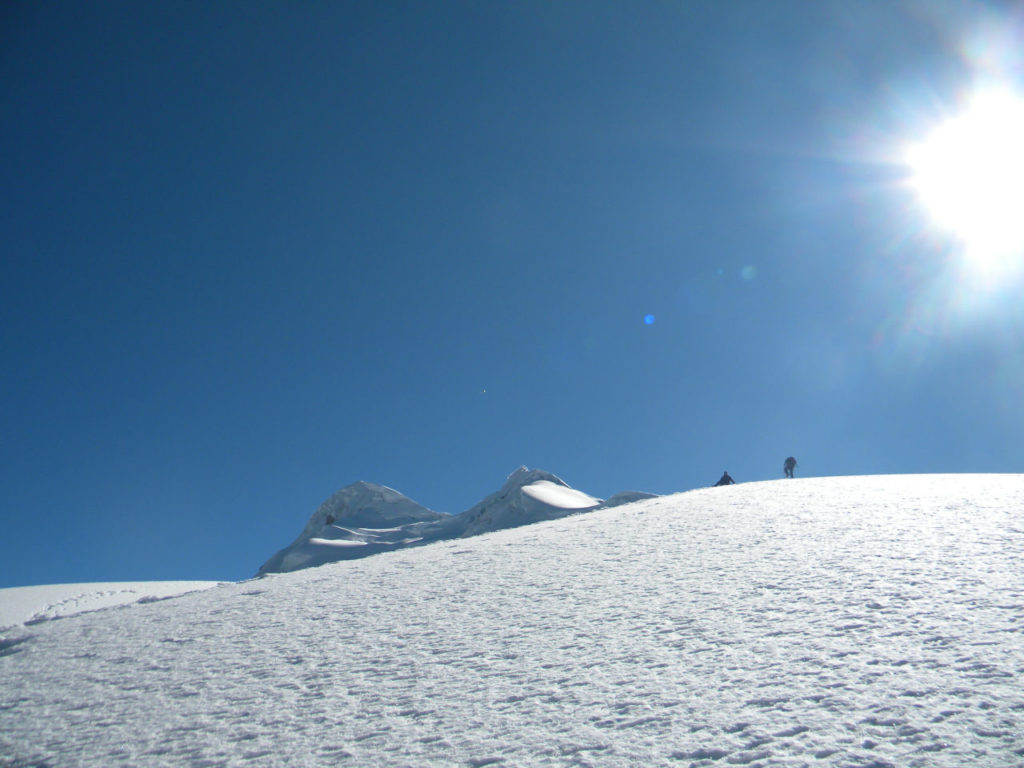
871, 621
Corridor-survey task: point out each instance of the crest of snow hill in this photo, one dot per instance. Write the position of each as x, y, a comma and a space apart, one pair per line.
364, 519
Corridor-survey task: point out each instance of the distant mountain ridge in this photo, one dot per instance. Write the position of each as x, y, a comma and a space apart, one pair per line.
365, 519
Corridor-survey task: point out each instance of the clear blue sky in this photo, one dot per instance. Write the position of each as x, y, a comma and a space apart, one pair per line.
254, 252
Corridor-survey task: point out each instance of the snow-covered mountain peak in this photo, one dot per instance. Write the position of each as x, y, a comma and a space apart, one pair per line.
548, 489
528, 496
365, 518
525, 476
360, 519
363, 503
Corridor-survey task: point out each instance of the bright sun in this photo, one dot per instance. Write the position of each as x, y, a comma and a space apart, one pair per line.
969, 173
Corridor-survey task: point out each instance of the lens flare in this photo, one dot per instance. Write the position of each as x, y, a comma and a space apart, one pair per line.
969, 174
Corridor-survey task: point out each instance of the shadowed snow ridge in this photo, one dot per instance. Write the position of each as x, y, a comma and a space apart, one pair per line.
863, 621
359, 520
511, 506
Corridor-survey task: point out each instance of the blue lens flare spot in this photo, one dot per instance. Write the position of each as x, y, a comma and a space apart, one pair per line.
648, 319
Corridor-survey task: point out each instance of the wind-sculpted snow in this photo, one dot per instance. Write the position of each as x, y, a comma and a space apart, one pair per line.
833, 622
559, 496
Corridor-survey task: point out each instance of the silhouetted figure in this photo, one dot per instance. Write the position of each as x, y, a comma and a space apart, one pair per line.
789, 466
725, 480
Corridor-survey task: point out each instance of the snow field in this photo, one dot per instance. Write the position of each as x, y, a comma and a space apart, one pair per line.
833, 622
19, 605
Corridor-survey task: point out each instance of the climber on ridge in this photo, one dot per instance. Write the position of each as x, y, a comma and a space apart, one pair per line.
725, 480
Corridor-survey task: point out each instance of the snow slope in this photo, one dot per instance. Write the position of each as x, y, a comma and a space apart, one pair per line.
19, 605
863, 621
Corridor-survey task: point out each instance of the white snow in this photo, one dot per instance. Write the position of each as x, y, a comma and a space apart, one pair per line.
50, 601
559, 496
338, 542
875, 621
354, 522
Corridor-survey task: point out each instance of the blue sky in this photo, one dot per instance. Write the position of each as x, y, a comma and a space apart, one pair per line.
253, 253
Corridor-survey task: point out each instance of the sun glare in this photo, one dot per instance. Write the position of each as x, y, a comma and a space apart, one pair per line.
969, 174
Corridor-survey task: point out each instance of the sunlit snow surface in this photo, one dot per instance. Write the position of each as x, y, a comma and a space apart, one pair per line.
53, 601
824, 622
559, 495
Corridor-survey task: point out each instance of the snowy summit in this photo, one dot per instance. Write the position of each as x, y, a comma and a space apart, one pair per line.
855, 622
365, 519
